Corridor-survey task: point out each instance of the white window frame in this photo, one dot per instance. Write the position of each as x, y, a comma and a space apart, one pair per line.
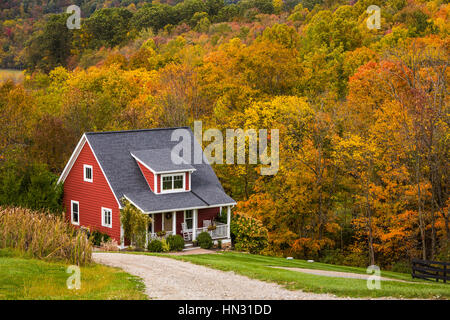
86, 166
182, 174
72, 202
104, 210
184, 219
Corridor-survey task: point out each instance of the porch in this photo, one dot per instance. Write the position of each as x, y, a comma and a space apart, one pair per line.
190, 223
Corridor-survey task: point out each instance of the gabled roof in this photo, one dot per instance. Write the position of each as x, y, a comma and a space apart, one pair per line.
160, 160
113, 150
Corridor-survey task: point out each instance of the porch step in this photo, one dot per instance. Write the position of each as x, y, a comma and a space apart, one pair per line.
189, 248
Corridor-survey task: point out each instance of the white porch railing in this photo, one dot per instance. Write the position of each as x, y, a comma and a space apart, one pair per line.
155, 235
219, 232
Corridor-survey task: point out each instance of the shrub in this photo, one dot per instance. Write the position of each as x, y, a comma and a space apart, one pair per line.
165, 245
98, 237
219, 244
307, 248
332, 256
401, 266
43, 236
155, 246
135, 224
249, 234
204, 240
161, 233
176, 242
109, 245
356, 259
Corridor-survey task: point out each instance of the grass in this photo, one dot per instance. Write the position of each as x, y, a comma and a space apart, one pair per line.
15, 75
259, 267
32, 279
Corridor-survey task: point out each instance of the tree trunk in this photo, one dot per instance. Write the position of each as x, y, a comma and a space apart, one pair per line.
369, 225
419, 202
433, 232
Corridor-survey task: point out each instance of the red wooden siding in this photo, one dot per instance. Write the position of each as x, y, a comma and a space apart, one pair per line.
92, 196
180, 220
158, 183
207, 214
187, 181
158, 222
148, 175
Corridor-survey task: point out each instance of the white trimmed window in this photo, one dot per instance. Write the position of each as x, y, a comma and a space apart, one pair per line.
189, 219
87, 173
107, 217
172, 182
75, 212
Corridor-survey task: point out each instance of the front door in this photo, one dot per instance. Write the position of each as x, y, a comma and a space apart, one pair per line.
168, 221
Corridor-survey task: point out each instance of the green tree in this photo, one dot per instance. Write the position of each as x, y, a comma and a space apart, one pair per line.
135, 224
109, 27
50, 47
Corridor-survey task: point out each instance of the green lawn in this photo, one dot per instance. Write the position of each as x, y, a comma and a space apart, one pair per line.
33, 279
258, 267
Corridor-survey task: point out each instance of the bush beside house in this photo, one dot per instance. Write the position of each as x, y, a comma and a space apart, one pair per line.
204, 240
176, 242
155, 246
98, 237
248, 234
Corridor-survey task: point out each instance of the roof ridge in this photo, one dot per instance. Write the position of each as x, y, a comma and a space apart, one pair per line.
200, 197
135, 130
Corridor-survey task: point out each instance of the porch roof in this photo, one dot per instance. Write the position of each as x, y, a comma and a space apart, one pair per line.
149, 202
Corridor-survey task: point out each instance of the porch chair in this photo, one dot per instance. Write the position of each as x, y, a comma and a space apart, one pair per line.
206, 223
187, 235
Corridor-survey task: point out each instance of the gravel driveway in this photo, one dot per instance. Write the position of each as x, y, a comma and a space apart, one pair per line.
167, 278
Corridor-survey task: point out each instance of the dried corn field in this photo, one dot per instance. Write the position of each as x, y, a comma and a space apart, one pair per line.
43, 236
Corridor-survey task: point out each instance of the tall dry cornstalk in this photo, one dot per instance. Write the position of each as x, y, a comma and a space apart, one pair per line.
43, 236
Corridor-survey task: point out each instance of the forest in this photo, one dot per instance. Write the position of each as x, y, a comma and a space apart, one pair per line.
363, 114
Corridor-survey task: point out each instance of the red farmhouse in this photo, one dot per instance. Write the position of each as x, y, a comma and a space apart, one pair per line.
107, 167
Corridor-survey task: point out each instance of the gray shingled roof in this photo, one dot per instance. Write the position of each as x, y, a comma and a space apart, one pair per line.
160, 160
113, 151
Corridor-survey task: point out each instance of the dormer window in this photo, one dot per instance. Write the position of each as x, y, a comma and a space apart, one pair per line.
87, 173
164, 171
172, 182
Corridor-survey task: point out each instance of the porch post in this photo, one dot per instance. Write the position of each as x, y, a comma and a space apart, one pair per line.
194, 224
153, 223
174, 223
146, 236
228, 222
122, 237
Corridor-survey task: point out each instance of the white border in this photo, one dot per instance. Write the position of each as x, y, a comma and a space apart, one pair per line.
72, 159
71, 212
103, 217
87, 166
173, 190
190, 180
